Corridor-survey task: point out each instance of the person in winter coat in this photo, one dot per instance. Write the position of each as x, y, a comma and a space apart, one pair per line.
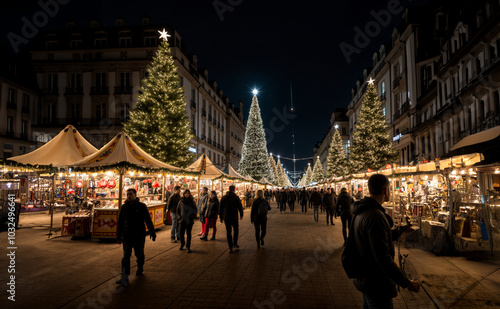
230, 206
303, 198
373, 236
283, 199
328, 204
172, 203
343, 209
132, 232
291, 197
202, 204
187, 213
258, 217
211, 213
315, 200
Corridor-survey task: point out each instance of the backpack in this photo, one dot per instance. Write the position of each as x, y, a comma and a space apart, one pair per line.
351, 259
263, 208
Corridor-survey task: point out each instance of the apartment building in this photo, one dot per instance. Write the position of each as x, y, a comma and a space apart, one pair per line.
90, 77
18, 101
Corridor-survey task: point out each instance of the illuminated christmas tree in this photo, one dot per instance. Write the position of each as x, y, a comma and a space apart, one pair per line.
317, 172
281, 178
254, 160
159, 123
308, 175
336, 160
274, 170
371, 142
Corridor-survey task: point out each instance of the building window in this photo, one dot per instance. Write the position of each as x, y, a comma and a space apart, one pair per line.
124, 80
150, 38
181, 81
10, 124
383, 111
100, 80
100, 111
344, 131
52, 44
26, 103
125, 42
24, 129
76, 80
51, 112
101, 43
52, 83
76, 44
124, 110
12, 96
74, 110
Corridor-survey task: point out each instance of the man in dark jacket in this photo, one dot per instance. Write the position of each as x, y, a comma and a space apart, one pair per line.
172, 204
283, 199
291, 197
328, 202
315, 200
132, 232
343, 208
230, 206
373, 237
303, 198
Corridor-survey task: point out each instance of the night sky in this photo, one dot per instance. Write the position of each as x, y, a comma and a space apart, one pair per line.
263, 44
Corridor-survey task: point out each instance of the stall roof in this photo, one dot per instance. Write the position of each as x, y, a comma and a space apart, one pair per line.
122, 151
250, 178
232, 172
66, 148
478, 138
207, 169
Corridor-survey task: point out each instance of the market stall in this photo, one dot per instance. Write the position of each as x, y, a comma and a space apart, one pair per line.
236, 179
108, 173
40, 184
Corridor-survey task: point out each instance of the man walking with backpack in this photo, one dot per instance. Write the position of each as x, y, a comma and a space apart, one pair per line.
316, 202
377, 274
258, 217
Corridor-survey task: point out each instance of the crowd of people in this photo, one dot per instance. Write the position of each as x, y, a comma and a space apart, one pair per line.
371, 227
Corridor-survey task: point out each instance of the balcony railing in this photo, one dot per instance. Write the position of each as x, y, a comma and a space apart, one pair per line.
222, 128
404, 108
214, 143
99, 90
74, 91
209, 140
203, 113
123, 90
491, 120
209, 117
193, 104
203, 137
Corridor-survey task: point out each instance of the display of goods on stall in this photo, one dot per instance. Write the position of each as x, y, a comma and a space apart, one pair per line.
111, 183
79, 184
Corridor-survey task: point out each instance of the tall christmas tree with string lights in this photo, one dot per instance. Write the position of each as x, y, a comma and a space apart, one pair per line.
281, 181
336, 160
254, 160
317, 172
308, 175
274, 170
371, 143
159, 123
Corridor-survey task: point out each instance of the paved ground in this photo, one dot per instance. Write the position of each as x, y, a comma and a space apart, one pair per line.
299, 267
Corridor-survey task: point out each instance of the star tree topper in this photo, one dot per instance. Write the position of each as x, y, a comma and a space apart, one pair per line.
164, 34
370, 82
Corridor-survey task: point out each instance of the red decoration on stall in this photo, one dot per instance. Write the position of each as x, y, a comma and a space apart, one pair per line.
136, 185
79, 184
388, 166
150, 180
156, 184
71, 191
103, 183
145, 181
370, 170
111, 183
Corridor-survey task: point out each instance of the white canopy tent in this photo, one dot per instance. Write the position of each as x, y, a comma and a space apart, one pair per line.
66, 148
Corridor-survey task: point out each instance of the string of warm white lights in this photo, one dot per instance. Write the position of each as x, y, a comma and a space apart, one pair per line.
291, 159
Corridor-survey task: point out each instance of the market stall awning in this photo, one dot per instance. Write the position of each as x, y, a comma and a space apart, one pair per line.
207, 169
251, 179
478, 138
66, 148
121, 151
232, 172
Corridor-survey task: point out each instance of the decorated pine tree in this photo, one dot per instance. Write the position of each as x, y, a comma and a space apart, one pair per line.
371, 143
336, 160
279, 174
317, 172
254, 160
274, 170
308, 175
159, 123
